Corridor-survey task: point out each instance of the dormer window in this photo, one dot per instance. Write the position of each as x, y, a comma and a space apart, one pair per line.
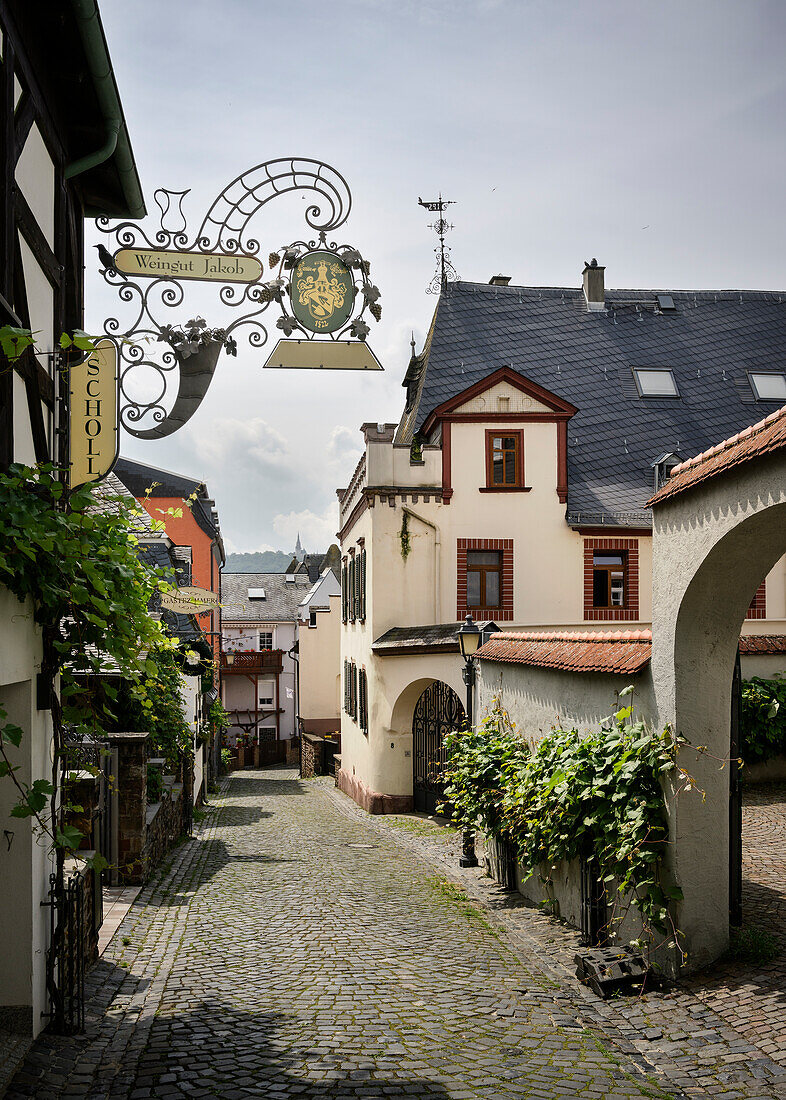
655, 382
662, 467
768, 386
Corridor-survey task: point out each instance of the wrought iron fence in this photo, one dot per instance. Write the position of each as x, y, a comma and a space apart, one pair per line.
66, 955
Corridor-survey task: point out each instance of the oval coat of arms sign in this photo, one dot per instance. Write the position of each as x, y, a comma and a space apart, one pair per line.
323, 292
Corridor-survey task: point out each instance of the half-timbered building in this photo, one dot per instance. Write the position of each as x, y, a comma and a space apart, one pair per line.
65, 156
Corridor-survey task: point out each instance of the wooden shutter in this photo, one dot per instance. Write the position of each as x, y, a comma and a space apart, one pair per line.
363, 691
363, 585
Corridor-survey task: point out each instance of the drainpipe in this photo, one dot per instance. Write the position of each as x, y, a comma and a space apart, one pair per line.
92, 160
437, 556
116, 143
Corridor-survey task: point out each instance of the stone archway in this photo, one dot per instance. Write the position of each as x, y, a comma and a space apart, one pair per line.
718, 529
437, 712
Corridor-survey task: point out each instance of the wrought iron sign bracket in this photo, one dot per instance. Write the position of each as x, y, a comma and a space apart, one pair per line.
320, 289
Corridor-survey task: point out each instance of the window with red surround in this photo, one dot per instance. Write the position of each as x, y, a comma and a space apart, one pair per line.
758, 607
611, 578
483, 554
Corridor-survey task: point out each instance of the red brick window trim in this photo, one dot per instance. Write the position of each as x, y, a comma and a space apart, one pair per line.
503, 613
628, 613
758, 607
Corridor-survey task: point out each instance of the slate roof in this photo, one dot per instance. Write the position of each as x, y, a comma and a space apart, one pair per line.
547, 335
281, 603
110, 487
139, 477
615, 651
439, 638
757, 440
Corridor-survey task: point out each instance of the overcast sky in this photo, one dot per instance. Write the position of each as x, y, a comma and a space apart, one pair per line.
650, 135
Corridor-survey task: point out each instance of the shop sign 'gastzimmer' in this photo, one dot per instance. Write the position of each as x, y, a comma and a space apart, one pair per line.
93, 415
161, 263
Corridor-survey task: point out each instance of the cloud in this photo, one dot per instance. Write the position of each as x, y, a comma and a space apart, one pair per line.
246, 443
344, 444
317, 532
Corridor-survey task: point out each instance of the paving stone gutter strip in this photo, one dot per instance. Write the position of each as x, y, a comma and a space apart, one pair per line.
671, 1038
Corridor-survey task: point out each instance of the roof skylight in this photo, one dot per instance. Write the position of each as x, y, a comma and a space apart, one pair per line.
256, 593
655, 382
665, 303
768, 386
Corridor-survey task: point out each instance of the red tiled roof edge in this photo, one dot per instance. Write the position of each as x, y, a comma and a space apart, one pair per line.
762, 643
765, 436
620, 651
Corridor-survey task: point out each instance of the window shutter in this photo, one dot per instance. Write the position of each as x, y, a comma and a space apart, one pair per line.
363, 701
363, 585
357, 586
354, 692
344, 595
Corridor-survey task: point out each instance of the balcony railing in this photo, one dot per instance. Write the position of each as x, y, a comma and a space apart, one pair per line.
267, 660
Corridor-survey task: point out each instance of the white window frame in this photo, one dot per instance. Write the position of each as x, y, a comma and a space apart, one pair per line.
753, 375
640, 386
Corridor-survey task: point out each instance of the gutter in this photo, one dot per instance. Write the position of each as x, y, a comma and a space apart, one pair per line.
116, 142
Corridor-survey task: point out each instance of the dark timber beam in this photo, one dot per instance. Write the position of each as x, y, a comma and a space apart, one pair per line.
34, 235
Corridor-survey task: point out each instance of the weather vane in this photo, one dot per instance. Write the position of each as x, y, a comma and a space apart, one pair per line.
446, 272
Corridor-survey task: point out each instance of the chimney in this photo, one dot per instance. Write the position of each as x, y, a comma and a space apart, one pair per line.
499, 280
593, 286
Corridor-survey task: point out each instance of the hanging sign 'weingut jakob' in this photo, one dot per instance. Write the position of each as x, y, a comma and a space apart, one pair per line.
213, 267
93, 415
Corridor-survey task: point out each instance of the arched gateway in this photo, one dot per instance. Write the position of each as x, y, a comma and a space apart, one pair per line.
437, 712
719, 527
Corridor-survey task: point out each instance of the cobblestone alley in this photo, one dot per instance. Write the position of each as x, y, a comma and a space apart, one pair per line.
294, 947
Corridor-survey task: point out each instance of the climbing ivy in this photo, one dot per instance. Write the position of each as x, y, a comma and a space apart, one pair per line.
763, 718
156, 706
216, 721
572, 796
404, 537
76, 569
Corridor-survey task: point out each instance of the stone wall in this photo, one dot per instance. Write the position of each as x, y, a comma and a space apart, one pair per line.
131, 785
145, 833
164, 823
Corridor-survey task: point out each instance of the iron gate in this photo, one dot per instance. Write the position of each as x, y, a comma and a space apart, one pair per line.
437, 712
594, 910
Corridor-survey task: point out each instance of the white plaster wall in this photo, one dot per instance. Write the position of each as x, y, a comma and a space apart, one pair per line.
25, 865
538, 699
713, 545
320, 663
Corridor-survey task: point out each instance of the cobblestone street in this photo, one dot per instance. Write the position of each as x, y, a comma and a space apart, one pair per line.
296, 947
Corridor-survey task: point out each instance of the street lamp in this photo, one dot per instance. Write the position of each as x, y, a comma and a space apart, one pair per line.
230, 658
469, 640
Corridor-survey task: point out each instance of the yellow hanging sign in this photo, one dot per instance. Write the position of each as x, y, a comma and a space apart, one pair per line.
211, 267
93, 415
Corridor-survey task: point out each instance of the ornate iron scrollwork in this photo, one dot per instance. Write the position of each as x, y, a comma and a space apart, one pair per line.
146, 381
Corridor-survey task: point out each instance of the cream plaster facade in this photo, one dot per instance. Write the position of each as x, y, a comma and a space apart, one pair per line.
319, 655
432, 502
